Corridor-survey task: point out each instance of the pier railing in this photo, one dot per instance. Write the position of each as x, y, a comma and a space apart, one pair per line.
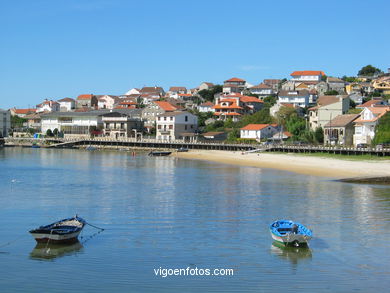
151, 143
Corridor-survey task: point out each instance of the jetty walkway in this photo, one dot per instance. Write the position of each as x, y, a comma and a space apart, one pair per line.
176, 144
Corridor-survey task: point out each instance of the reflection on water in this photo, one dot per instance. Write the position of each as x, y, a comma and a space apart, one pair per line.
294, 255
168, 212
44, 251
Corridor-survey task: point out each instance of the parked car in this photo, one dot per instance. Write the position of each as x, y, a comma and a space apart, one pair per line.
362, 146
182, 149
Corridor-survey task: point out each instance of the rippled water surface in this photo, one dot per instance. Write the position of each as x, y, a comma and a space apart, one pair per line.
172, 213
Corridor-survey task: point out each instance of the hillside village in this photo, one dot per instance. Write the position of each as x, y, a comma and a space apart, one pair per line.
308, 107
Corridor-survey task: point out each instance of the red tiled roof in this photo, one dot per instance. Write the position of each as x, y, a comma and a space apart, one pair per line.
177, 88
255, 126
165, 106
249, 99
307, 72
370, 103
84, 97
24, 111
234, 79
66, 100
208, 103
261, 86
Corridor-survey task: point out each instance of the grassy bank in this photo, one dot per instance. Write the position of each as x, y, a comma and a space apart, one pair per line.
365, 157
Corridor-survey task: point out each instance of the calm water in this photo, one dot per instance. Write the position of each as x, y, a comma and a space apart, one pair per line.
173, 213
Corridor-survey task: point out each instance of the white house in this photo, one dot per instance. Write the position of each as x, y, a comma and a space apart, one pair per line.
175, 91
176, 125
67, 104
206, 86
258, 131
366, 123
262, 90
48, 106
133, 91
297, 98
307, 75
107, 102
233, 85
73, 123
206, 107
5, 122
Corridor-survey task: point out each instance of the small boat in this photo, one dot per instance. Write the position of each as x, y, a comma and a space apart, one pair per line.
64, 231
159, 154
35, 146
182, 149
290, 233
91, 148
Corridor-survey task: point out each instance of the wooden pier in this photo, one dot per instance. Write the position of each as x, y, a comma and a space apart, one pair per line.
176, 144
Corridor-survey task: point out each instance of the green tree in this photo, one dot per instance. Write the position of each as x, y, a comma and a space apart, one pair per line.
269, 101
319, 135
55, 132
208, 95
369, 70
233, 135
331, 93
49, 133
382, 130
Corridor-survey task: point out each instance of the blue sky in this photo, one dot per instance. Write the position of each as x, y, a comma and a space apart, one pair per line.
63, 48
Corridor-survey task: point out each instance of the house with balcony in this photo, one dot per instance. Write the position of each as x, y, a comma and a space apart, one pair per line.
297, 98
233, 106
327, 108
176, 125
34, 121
206, 107
340, 130
262, 90
234, 85
259, 131
119, 125
366, 123
154, 109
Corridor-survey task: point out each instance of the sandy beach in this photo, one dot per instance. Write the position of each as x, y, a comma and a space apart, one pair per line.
318, 166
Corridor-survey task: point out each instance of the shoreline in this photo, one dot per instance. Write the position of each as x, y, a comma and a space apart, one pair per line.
317, 166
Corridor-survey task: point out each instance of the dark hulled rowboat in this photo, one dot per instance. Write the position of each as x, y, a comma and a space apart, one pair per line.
64, 231
159, 154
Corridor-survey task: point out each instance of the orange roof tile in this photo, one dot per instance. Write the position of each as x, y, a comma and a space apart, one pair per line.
84, 97
234, 79
24, 111
227, 107
165, 106
255, 126
307, 72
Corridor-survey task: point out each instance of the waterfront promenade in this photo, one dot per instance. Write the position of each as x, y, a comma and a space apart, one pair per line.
176, 144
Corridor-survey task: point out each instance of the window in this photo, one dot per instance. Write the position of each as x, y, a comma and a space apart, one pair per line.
171, 118
170, 126
185, 127
165, 118
159, 127
186, 118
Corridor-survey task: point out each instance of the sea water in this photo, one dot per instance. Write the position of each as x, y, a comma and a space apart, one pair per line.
165, 213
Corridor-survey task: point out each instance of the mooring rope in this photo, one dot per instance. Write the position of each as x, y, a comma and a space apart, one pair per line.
12, 241
94, 226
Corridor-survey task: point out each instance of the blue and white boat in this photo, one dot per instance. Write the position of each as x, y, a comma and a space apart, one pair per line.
64, 231
290, 233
